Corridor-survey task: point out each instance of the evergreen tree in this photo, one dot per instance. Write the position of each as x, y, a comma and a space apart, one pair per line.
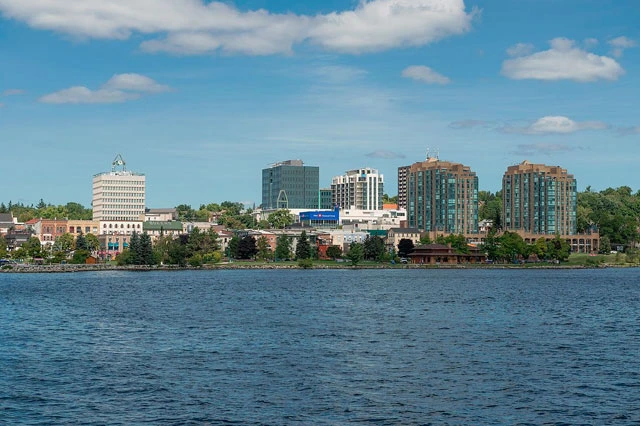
303, 248
283, 247
247, 247
334, 252
134, 248
232, 246
374, 248
405, 247
81, 243
356, 253
145, 248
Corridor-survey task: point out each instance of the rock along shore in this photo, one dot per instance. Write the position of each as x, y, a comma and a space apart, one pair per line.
68, 268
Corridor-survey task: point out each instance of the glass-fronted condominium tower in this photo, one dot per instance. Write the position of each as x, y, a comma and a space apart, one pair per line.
358, 189
402, 186
442, 197
290, 185
118, 195
539, 199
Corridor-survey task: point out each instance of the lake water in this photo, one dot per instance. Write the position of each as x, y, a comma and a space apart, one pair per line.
330, 347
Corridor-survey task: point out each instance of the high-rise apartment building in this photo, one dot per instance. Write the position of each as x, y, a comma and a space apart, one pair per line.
325, 199
402, 186
360, 189
442, 197
118, 195
539, 199
290, 185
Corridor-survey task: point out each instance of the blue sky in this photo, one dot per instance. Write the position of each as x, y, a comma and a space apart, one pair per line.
200, 96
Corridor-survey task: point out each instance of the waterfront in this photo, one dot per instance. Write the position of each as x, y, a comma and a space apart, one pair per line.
321, 347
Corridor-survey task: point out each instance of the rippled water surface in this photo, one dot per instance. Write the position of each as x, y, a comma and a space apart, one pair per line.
321, 347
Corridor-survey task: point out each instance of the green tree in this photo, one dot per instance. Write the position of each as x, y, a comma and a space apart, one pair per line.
283, 247
334, 252
232, 246
93, 243
264, 249
161, 249
32, 247
177, 251
511, 247
80, 257
558, 249
491, 245
605, 245
303, 247
3, 247
425, 239
134, 248
145, 250
373, 248
280, 219
405, 247
63, 244
356, 253
81, 243
247, 247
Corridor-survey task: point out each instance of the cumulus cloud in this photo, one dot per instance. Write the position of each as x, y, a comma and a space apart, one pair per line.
12, 92
618, 45
425, 75
467, 124
520, 49
193, 27
387, 155
135, 82
564, 61
120, 88
541, 148
555, 125
590, 42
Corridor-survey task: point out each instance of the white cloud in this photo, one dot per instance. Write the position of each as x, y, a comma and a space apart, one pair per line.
425, 75
135, 82
386, 155
384, 24
120, 88
555, 125
520, 49
618, 45
564, 61
12, 92
192, 27
590, 42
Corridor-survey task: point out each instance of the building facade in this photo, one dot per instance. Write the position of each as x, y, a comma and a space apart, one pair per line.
119, 195
539, 199
442, 197
325, 199
290, 185
403, 186
360, 189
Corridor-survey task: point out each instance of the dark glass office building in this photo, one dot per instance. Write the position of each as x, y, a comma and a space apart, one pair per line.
290, 185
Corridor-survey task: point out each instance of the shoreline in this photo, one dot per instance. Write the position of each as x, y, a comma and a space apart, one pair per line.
70, 268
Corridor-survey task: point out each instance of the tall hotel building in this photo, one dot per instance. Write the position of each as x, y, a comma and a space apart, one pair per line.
539, 199
119, 199
442, 197
360, 189
290, 185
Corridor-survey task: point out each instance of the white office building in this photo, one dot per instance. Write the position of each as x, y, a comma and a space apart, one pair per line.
360, 189
119, 198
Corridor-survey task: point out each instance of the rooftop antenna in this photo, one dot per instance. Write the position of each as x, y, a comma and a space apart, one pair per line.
428, 155
437, 153
118, 162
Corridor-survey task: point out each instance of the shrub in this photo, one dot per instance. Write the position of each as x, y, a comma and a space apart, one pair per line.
305, 263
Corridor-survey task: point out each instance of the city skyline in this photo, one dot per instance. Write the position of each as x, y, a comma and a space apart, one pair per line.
202, 97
